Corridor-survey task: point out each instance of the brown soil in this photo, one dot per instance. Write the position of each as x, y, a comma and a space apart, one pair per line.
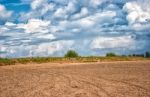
107, 79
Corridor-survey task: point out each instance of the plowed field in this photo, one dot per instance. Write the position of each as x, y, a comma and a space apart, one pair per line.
107, 79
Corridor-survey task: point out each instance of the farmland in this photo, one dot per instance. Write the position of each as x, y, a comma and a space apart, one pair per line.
100, 79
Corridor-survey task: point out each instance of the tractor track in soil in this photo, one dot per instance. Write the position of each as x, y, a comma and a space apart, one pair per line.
115, 79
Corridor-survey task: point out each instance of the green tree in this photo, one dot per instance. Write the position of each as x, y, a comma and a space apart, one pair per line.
71, 54
111, 54
147, 54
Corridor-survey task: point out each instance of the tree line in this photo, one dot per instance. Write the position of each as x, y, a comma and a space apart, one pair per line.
73, 53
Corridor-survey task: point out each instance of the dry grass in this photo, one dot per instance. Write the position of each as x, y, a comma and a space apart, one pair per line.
6, 61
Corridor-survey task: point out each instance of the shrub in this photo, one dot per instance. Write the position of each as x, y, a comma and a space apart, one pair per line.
147, 54
111, 54
71, 54
6, 61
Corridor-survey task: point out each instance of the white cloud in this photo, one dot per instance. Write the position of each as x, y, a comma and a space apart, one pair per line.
113, 42
48, 27
144, 4
35, 26
38, 9
2, 8
37, 3
70, 7
88, 23
135, 13
47, 7
44, 49
138, 17
10, 24
47, 36
60, 13
141, 28
84, 12
64, 12
4, 13
3, 29
92, 20
52, 48
42, 6
95, 3
95, 19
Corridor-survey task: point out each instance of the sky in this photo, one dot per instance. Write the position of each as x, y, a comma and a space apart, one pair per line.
30, 28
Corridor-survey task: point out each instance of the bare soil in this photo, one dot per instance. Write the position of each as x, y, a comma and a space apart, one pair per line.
107, 79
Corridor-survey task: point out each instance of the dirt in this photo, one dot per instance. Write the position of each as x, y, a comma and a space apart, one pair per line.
107, 79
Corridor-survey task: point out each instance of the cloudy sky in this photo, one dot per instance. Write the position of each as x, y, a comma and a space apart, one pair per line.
91, 27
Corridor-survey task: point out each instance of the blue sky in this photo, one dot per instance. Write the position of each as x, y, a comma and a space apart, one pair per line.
91, 27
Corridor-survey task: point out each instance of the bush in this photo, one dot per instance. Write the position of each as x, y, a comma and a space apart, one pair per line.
147, 54
111, 54
6, 61
71, 54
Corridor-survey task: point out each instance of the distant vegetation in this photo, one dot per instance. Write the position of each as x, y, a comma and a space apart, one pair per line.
71, 54
147, 54
6, 61
111, 54
73, 57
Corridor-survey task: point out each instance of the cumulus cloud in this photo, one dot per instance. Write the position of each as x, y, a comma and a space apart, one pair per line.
39, 8
84, 12
95, 3
113, 42
64, 12
36, 4
44, 49
138, 16
4, 13
135, 13
50, 27
10, 24
35, 26
89, 21
53, 48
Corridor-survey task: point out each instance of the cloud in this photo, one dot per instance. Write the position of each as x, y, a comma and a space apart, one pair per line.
43, 49
36, 4
4, 13
83, 12
39, 8
113, 42
138, 17
10, 24
48, 36
53, 48
95, 3
135, 13
65, 11
89, 21
35, 26
51, 27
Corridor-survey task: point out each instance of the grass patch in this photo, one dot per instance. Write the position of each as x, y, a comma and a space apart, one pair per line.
7, 61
